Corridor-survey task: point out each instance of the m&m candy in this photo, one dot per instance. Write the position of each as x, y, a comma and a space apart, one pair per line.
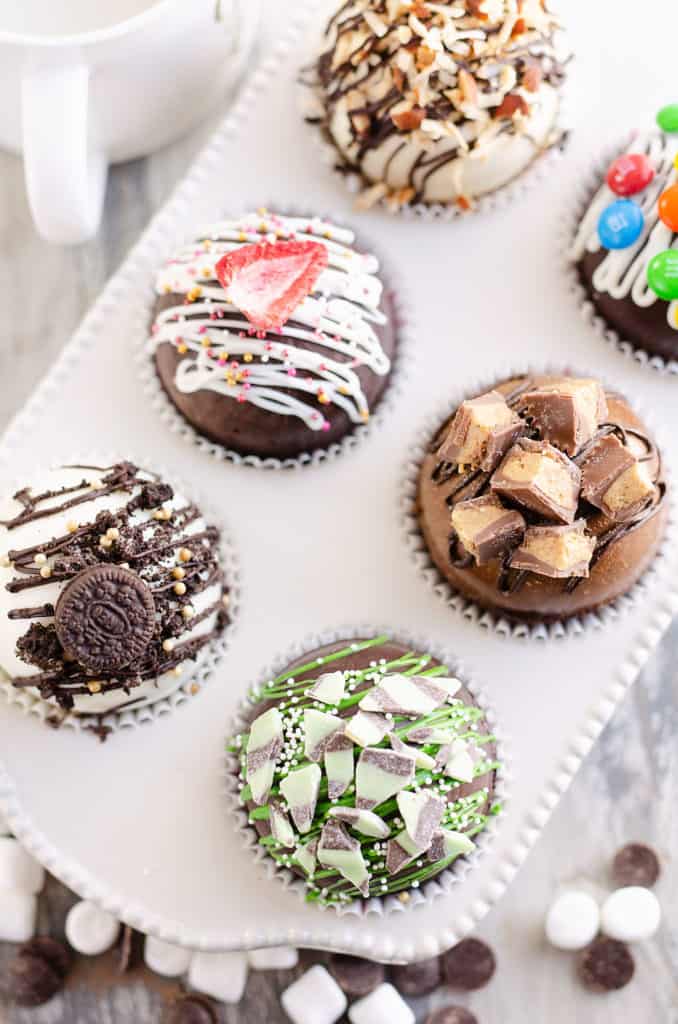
667, 118
629, 174
662, 274
668, 207
620, 224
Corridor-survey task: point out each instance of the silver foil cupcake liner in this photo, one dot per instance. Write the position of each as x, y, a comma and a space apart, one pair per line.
448, 879
590, 180
493, 619
405, 330
198, 676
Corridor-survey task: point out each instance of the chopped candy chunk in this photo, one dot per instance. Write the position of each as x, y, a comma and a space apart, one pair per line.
367, 822
380, 774
300, 789
263, 749
338, 850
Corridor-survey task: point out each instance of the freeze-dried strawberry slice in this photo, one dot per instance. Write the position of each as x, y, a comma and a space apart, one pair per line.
268, 280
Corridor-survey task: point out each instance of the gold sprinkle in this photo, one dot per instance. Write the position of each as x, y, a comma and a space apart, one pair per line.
194, 689
94, 687
162, 514
97, 485
262, 211
113, 533
404, 897
40, 559
225, 600
177, 670
242, 237
194, 293
248, 357
71, 526
168, 646
180, 589
182, 349
178, 573
187, 612
207, 272
185, 554
105, 542
45, 572
4, 561
205, 342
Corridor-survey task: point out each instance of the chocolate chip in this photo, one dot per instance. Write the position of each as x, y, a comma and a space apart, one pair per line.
417, 979
189, 1009
468, 965
636, 864
55, 953
355, 976
451, 1015
105, 618
606, 965
32, 981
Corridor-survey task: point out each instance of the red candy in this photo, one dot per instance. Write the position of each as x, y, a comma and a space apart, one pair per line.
668, 207
629, 174
268, 280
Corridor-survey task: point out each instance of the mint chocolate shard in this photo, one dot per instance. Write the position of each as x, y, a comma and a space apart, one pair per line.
409, 695
400, 851
421, 758
306, 856
263, 749
339, 765
380, 774
422, 813
448, 844
340, 851
482, 430
485, 528
423, 734
558, 552
319, 728
300, 789
365, 728
566, 411
281, 830
366, 822
329, 688
614, 480
540, 477
456, 761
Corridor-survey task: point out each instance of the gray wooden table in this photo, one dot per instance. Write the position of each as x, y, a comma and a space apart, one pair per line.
626, 790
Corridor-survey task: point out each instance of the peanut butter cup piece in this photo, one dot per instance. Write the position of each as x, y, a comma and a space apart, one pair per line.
482, 430
485, 528
537, 475
556, 551
567, 411
105, 618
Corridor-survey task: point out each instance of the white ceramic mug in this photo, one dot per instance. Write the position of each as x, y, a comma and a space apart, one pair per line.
87, 83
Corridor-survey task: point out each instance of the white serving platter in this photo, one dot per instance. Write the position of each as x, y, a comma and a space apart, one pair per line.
140, 823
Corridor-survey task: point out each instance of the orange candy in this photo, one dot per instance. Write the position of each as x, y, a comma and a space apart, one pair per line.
668, 207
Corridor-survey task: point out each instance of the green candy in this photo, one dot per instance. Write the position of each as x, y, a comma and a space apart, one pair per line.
662, 274
667, 118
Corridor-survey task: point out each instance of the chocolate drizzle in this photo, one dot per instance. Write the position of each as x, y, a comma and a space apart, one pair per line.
174, 566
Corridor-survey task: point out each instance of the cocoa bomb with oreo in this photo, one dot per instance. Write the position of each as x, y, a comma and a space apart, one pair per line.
273, 335
374, 765
112, 586
553, 518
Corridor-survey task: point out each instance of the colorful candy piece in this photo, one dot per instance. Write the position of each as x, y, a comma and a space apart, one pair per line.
367, 822
447, 843
662, 274
668, 207
620, 224
380, 774
339, 765
629, 174
409, 695
263, 748
300, 789
337, 849
422, 814
366, 728
269, 280
319, 728
667, 118
280, 824
329, 688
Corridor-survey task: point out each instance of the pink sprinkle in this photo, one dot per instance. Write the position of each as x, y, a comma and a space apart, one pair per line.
222, 359
241, 334
155, 328
213, 316
269, 346
246, 386
210, 353
322, 366
242, 397
326, 425
235, 364
292, 372
202, 329
191, 271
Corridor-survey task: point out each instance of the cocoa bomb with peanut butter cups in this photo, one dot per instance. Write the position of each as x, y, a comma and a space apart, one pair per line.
273, 336
542, 498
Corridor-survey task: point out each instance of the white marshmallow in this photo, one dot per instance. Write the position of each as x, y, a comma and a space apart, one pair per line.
220, 975
573, 920
18, 910
314, 998
90, 929
18, 870
382, 1006
164, 958
277, 958
631, 914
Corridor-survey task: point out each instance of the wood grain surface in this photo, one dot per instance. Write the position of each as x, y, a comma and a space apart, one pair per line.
626, 790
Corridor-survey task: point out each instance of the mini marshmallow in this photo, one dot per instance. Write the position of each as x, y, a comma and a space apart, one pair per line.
18, 910
220, 975
314, 998
277, 958
630, 914
382, 1006
90, 929
166, 959
573, 920
18, 870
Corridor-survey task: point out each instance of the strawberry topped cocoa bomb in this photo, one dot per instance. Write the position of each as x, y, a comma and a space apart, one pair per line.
273, 335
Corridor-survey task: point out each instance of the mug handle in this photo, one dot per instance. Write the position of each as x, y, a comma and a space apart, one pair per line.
65, 175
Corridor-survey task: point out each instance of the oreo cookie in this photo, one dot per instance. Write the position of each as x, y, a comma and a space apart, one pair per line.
606, 965
468, 965
355, 976
189, 1009
636, 864
417, 979
451, 1015
105, 618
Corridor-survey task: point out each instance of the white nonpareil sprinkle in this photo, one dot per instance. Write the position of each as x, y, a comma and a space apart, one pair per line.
18, 910
277, 958
220, 975
630, 914
18, 870
573, 920
383, 1006
314, 998
166, 959
90, 929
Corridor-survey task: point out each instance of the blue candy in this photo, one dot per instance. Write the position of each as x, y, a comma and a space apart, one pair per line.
620, 224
